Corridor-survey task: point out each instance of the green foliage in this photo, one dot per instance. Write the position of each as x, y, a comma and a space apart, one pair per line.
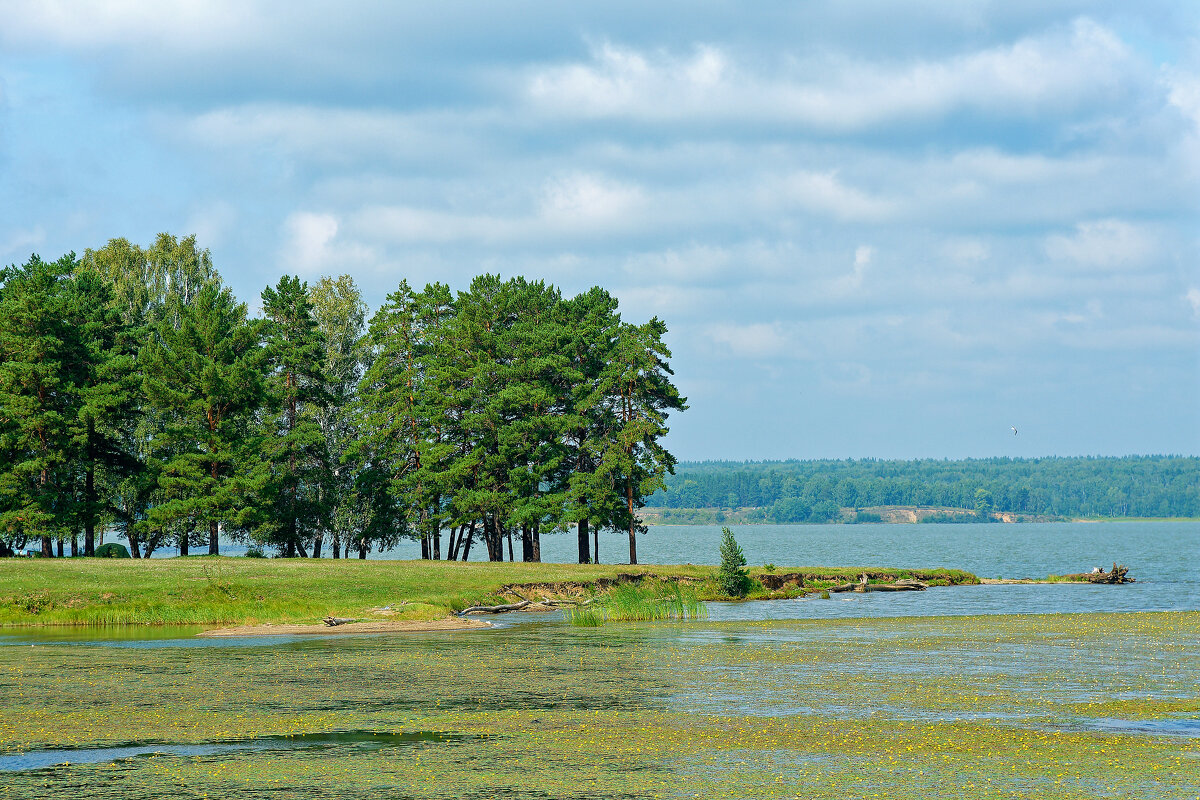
137, 395
112, 550
205, 377
732, 579
639, 602
293, 475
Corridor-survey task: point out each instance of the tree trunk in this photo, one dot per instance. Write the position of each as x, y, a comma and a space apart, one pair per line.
470, 538
508, 533
337, 546
300, 548
213, 548
537, 542
595, 545
183, 544
134, 542
632, 523
60, 547
89, 490
452, 546
526, 543
437, 545
424, 547
585, 556
74, 545
492, 539
317, 547
363, 547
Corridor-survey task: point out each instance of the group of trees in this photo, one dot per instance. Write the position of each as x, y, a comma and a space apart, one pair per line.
138, 395
815, 491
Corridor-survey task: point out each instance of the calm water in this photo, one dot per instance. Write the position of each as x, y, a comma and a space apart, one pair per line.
1159, 551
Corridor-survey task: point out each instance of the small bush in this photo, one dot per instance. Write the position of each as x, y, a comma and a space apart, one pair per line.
112, 550
255, 551
732, 579
824, 594
768, 567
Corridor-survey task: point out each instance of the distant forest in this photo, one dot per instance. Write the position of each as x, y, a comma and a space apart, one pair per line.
815, 491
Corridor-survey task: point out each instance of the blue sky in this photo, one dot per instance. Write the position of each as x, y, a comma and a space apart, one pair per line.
874, 229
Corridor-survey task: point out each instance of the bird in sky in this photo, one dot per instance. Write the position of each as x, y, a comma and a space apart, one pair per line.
1014, 430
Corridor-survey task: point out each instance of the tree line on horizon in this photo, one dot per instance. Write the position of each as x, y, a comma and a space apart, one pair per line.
138, 396
817, 490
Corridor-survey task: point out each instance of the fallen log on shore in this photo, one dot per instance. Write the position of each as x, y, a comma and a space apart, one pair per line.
500, 609
334, 621
1118, 575
905, 585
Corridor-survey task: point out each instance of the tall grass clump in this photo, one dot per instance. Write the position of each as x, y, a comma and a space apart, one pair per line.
630, 602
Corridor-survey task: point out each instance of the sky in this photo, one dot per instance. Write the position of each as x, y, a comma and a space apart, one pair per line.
874, 229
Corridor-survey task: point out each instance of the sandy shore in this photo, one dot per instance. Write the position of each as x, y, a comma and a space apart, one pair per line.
367, 626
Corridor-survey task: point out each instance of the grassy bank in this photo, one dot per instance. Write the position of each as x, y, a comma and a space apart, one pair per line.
227, 591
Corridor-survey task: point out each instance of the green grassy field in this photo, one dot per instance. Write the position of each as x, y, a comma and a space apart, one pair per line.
206, 590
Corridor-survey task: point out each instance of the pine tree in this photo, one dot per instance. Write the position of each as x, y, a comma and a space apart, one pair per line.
294, 468
205, 377
41, 358
732, 579
635, 458
109, 393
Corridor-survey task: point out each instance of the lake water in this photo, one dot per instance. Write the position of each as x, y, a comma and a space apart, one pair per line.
1160, 551
939, 693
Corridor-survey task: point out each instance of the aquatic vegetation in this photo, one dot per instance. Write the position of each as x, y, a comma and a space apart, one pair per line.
996, 707
647, 601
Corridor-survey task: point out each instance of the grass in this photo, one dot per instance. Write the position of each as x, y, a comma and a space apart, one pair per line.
982, 707
646, 602
207, 590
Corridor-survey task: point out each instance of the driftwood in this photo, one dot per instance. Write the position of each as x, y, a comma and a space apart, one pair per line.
333, 621
903, 585
1119, 574
500, 609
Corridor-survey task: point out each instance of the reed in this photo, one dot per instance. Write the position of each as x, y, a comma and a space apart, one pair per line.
644, 602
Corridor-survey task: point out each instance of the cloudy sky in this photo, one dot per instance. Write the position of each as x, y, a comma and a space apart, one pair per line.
872, 230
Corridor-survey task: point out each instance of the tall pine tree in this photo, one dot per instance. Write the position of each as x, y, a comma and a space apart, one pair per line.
205, 376
294, 511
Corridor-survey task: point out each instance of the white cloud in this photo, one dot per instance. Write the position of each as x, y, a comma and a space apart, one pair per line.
565, 206
1109, 244
311, 246
1183, 92
754, 340
581, 200
825, 194
181, 24
965, 251
1193, 298
1034, 74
